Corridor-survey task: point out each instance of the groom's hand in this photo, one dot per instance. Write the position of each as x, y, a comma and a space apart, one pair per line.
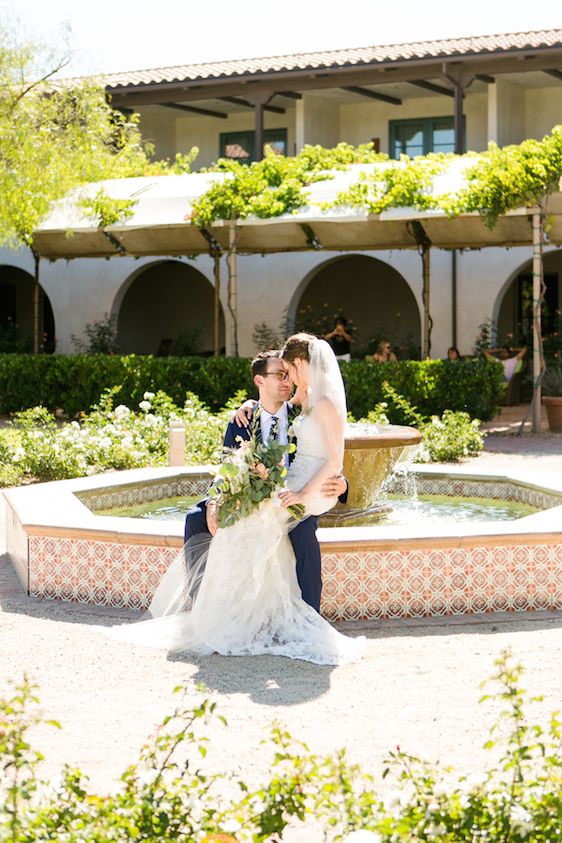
334, 486
211, 515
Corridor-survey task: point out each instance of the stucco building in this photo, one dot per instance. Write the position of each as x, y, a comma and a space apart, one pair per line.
451, 95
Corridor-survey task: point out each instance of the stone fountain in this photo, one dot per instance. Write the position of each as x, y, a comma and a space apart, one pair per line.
371, 453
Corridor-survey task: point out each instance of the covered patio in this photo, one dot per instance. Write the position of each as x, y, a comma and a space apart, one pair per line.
160, 224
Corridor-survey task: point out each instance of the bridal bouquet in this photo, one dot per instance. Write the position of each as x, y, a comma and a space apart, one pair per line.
249, 475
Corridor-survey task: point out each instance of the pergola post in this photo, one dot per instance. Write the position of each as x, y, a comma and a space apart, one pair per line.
232, 263
538, 362
426, 346
418, 232
217, 304
36, 306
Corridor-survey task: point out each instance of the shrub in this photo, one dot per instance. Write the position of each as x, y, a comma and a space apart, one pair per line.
446, 438
74, 383
167, 796
101, 336
450, 438
110, 437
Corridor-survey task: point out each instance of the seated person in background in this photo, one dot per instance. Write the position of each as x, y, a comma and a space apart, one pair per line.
340, 339
453, 353
512, 363
384, 353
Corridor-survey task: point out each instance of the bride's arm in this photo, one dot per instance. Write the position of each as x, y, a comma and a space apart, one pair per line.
332, 430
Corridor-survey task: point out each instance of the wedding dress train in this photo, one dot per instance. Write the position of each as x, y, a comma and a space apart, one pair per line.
248, 601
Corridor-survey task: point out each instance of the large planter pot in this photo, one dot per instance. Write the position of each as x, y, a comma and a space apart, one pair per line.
553, 406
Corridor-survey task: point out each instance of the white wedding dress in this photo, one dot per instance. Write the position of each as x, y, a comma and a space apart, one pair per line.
249, 601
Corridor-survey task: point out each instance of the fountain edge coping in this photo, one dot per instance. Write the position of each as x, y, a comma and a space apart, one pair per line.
52, 498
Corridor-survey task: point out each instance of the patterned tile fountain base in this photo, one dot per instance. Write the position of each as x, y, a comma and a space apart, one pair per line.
62, 550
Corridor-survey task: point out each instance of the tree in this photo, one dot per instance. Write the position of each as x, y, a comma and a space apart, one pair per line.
54, 135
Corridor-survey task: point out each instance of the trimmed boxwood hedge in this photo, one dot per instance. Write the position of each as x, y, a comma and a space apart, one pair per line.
74, 383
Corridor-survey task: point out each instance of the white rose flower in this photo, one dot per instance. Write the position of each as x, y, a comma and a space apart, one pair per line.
436, 830
474, 780
363, 837
145, 406
521, 820
121, 411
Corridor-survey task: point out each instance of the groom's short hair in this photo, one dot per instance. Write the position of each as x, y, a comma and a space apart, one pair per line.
259, 363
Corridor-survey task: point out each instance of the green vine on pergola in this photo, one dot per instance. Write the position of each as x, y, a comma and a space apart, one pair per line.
496, 181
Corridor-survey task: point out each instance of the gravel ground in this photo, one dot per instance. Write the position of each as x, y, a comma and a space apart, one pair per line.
418, 686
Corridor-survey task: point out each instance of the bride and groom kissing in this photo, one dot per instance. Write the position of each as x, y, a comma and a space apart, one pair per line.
254, 587
273, 414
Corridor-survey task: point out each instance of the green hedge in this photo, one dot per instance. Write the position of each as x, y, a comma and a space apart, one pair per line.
74, 383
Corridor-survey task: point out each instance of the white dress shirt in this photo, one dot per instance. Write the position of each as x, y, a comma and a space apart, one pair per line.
266, 424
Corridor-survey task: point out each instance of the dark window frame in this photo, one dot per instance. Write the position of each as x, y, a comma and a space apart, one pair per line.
427, 126
249, 140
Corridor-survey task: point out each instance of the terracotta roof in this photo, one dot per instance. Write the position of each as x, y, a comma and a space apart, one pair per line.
453, 47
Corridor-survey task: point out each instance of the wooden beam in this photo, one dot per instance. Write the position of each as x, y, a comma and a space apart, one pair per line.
365, 92
483, 77
192, 109
381, 74
556, 74
292, 95
239, 101
435, 89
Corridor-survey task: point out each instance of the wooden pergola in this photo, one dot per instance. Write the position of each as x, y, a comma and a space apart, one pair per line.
161, 225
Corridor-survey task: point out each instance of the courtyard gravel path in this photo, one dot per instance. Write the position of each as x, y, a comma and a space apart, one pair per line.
418, 686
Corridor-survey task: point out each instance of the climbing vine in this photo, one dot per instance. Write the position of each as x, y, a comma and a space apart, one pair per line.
276, 185
106, 210
496, 181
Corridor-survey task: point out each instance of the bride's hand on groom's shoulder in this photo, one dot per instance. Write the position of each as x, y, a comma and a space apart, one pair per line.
243, 414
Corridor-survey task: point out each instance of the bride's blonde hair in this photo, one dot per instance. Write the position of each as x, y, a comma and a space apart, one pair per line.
297, 347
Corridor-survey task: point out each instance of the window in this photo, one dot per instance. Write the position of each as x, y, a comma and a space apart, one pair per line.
418, 137
242, 145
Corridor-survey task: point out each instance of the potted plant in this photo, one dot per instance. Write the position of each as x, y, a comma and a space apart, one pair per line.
552, 394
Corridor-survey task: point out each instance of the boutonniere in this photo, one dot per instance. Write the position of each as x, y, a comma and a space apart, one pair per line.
291, 432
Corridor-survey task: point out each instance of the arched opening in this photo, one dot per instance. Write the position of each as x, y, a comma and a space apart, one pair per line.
514, 320
16, 313
167, 308
375, 299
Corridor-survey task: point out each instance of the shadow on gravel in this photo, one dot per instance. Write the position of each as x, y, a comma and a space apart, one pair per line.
267, 680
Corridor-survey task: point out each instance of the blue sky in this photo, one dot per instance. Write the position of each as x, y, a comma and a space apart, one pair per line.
114, 35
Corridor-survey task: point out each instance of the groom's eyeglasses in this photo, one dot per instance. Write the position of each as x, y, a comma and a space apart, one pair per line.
280, 375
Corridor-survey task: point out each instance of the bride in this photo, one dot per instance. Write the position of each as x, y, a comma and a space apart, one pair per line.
248, 600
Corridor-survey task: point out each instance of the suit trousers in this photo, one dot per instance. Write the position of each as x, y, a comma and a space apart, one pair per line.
305, 546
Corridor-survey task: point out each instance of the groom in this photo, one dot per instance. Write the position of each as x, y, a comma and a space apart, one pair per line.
273, 416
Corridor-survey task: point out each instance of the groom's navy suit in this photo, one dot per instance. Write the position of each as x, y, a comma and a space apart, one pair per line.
302, 536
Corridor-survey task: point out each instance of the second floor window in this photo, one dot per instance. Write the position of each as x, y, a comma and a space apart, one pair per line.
242, 145
418, 137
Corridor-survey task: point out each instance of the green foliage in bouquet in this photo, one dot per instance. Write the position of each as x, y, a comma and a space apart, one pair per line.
248, 476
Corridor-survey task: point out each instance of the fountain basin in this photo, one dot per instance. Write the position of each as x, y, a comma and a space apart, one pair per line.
371, 452
62, 550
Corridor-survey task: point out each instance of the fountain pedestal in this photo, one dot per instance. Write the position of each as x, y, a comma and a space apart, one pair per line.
371, 452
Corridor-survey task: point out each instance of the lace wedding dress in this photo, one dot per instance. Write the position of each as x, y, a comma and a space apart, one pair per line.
248, 600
